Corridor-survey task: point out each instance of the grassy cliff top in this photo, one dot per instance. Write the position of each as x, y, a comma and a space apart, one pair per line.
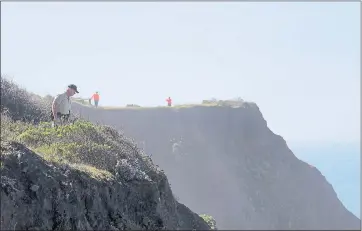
204, 103
25, 118
82, 145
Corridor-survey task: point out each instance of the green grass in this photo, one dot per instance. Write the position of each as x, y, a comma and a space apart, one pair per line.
81, 142
94, 149
11, 129
82, 145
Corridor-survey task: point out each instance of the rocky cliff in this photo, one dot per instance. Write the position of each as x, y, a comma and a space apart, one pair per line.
36, 195
226, 162
79, 177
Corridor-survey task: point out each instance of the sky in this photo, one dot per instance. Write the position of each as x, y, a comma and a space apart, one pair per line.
299, 62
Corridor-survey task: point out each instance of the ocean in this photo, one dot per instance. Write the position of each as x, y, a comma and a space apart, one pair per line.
341, 165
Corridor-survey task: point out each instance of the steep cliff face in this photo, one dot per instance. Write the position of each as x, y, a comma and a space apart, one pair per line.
226, 162
37, 195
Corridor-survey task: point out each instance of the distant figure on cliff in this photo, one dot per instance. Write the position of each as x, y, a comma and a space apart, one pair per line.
169, 101
95, 97
61, 106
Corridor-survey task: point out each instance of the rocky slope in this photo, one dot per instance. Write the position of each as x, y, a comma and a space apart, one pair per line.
79, 177
37, 195
226, 162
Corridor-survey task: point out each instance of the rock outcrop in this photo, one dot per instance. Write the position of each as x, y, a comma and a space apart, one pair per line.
226, 162
37, 195
78, 177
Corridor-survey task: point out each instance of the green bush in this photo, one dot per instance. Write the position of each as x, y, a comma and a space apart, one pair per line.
98, 150
10, 129
209, 220
22, 105
81, 142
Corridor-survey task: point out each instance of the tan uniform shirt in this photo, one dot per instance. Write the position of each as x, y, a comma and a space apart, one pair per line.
62, 103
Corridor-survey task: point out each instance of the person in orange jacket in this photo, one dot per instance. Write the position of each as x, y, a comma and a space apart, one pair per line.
169, 101
95, 97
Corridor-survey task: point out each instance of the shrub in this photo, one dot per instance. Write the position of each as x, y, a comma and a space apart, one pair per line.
21, 105
81, 142
98, 150
11, 129
209, 220
82, 101
132, 105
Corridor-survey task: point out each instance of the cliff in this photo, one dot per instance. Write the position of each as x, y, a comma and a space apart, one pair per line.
226, 162
80, 177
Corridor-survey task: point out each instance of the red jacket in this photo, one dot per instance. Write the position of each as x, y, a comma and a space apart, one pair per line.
95, 97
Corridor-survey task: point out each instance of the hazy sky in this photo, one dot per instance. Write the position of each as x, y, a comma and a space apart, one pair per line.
300, 62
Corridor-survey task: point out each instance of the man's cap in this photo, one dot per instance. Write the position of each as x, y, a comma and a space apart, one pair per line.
72, 86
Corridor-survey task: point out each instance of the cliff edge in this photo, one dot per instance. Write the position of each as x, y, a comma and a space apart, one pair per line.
226, 162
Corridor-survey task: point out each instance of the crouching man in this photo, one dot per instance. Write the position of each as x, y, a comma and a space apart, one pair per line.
62, 105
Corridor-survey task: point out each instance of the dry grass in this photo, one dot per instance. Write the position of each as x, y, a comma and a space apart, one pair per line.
93, 172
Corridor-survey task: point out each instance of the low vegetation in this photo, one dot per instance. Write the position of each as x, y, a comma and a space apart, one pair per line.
83, 145
99, 151
237, 102
209, 220
81, 101
21, 105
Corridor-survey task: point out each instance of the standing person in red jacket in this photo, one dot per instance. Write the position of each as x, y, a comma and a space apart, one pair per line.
95, 97
169, 101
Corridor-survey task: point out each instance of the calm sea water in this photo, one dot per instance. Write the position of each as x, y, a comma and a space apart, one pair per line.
340, 164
